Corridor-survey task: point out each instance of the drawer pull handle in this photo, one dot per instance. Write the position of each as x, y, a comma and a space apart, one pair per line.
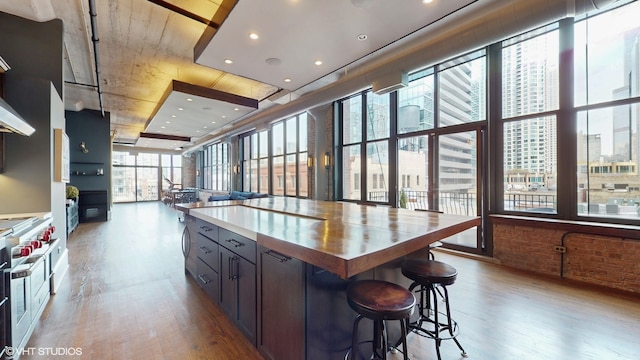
276, 255
206, 228
204, 279
235, 242
205, 250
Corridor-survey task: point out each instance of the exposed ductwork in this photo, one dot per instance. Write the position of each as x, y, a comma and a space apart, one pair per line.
95, 39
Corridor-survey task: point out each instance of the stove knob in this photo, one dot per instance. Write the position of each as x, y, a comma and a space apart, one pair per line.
52, 229
45, 236
26, 250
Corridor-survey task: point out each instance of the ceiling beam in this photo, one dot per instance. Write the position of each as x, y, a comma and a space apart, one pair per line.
164, 137
211, 23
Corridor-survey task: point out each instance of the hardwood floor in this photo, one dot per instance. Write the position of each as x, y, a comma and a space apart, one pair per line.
126, 297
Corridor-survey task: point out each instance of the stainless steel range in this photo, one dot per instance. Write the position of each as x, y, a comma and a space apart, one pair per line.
25, 242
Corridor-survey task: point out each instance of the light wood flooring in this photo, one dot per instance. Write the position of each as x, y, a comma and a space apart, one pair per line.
126, 297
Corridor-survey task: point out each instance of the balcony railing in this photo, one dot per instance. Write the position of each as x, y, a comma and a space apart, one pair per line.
448, 202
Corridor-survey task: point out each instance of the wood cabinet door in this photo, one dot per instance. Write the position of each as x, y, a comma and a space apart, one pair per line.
281, 304
238, 291
246, 286
228, 290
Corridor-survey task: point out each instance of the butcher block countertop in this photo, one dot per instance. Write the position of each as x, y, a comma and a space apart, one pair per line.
342, 238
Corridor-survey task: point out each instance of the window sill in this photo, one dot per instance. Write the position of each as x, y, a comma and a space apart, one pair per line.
586, 227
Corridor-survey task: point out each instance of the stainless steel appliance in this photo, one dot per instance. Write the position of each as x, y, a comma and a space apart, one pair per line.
4, 296
27, 244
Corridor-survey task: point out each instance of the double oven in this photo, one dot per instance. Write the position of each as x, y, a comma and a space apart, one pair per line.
25, 244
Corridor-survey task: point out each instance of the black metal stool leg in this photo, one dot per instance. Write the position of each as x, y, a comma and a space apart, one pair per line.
354, 338
450, 324
436, 321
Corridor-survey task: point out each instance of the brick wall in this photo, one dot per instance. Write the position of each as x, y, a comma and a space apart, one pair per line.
189, 171
605, 261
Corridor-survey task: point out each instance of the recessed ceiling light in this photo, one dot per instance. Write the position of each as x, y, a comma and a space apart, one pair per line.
236, 109
163, 127
197, 130
213, 122
167, 122
180, 109
228, 61
224, 116
204, 127
362, 37
254, 36
287, 80
426, 1
318, 62
173, 115
189, 99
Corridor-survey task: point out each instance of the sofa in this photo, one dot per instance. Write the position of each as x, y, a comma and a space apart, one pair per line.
237, 195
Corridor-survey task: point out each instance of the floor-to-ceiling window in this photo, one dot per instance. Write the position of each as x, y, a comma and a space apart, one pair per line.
563, 109
289, 160
276, 159
141, 177
607, 99
216, 167
530, 101
365, 147
254, 165
423, 140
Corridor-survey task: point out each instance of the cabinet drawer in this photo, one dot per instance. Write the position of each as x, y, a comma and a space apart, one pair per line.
209, 280
208, 252
238, 244
207, 229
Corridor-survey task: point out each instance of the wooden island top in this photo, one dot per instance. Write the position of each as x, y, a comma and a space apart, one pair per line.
343, 238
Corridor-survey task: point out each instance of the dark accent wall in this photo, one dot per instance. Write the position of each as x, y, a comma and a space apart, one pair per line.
34, 88
32, 49
90, 127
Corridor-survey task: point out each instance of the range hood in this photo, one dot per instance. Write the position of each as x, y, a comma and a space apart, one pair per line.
10, 121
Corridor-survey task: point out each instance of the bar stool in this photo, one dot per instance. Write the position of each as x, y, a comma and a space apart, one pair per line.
379, 301
429, 276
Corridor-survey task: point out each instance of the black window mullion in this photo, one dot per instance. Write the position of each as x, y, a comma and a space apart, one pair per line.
566, 178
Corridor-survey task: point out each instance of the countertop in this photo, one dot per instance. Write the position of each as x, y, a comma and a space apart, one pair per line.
343, 238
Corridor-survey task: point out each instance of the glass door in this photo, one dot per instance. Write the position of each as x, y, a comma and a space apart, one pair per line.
457, 190
147, 184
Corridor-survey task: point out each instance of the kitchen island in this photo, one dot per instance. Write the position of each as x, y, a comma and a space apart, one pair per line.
279, 266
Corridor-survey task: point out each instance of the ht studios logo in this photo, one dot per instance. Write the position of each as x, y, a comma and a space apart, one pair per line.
11, 351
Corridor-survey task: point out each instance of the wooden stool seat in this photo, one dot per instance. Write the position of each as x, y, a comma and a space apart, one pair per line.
426, 272
379, 301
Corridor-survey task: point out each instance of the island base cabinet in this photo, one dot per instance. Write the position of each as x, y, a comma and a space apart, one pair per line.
281, 304
238, 291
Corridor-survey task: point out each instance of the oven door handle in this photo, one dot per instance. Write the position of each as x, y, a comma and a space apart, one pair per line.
37, 262
4, 301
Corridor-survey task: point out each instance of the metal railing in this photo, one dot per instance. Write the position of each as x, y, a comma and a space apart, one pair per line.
520, 202
461, 203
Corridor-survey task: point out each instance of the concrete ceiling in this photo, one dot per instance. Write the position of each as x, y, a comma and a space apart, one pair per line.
145, 45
